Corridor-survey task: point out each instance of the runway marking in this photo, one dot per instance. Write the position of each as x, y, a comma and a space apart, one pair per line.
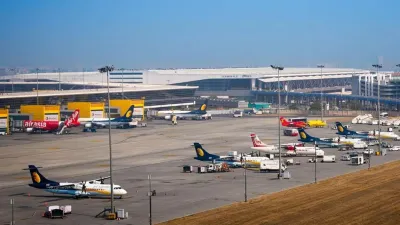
53, 148
23, 178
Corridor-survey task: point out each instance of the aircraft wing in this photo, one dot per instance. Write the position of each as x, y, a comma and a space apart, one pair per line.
99, 180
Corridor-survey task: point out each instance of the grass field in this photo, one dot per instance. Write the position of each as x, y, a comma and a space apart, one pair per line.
364, 197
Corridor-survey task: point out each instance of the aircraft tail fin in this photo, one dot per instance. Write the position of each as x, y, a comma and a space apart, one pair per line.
304, 137
73, 119
341, 129
284, 122
128, 115
37, 177
202, 109
256, 141
202, 154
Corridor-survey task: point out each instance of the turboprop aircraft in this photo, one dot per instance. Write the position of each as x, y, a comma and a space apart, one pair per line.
81, 189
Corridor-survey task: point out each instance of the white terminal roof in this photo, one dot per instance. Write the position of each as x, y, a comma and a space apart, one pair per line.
114, 88
173, 76
254, 71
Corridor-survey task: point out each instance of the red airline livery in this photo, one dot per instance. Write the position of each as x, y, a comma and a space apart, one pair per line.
51, 126
297, 124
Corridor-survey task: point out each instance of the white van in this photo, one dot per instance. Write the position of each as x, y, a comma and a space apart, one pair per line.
384, 114
237, 114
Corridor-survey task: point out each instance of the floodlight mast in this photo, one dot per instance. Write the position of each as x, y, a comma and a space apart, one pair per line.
279, 68
108, 69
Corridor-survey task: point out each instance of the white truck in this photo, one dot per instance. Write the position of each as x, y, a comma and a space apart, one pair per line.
357, 160
329, 158
271, 165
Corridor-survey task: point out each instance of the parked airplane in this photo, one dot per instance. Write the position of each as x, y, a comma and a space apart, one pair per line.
52, 126
292, 149
201, 112
122, 122
81, 189
316, 123
297, 124
332, 142
232, 161
258, 144
342, 130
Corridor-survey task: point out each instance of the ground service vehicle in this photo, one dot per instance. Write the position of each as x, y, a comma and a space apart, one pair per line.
345, 157
394, 148
291, 132
238, 114
271, 165
329, 158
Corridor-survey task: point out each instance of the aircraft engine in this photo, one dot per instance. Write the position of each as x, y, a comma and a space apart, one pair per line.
88, 125
29, 129
167, 117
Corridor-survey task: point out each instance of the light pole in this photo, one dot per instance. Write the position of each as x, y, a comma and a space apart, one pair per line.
378, 66
59, 79
150, 194
37, 86
12, 211
245, 180
322, 106
278, 68
315, 162
107, 69
369, 155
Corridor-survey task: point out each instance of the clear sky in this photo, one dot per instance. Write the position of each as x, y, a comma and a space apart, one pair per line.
194, 33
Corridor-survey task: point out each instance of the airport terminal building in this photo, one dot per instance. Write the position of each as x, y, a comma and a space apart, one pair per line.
232, 82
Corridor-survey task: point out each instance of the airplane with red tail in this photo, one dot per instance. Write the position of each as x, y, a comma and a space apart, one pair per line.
297, 124
257, 144
59, 127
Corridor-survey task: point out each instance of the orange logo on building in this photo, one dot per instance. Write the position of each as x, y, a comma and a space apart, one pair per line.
203, 107
200, 152
36, 177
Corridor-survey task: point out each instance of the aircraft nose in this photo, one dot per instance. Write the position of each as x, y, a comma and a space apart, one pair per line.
124, 192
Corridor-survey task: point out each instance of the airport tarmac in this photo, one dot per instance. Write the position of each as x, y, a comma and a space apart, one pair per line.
160, 150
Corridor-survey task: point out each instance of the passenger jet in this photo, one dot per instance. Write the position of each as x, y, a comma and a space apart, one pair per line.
365, 134
122, 121
81, 189
186, 114
297, 124
292, 149
232, 161
52, 126
329, 142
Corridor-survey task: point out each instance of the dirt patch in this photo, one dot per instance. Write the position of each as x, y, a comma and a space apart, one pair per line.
364, 197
